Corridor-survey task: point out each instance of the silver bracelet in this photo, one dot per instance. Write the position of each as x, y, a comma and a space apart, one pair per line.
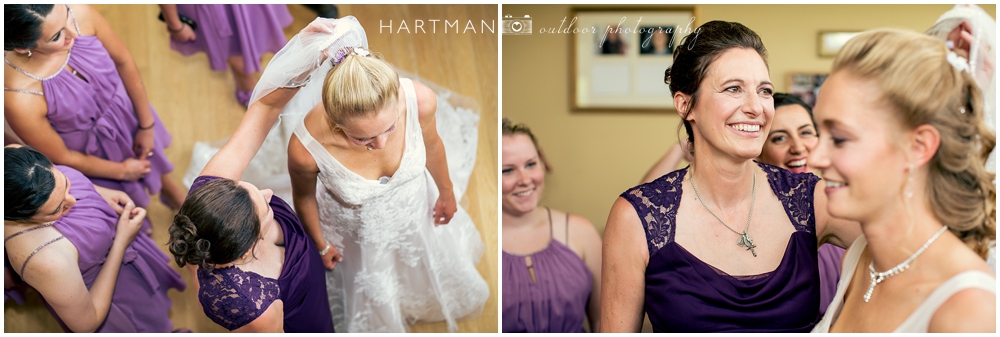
325, 250
292, 84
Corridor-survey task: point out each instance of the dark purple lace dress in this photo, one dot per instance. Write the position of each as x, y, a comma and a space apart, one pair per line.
232, 297
684, 294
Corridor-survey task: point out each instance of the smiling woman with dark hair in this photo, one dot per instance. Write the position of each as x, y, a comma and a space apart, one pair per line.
727, 244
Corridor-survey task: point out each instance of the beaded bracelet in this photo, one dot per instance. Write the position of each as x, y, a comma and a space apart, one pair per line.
325, 250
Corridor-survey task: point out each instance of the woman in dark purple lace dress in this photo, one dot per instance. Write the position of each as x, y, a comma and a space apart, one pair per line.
791, 138
727, 244
257, 269
551, 259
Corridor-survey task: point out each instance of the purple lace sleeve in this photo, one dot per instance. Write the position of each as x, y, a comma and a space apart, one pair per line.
233, 298
795, 191
656, 202
656, 205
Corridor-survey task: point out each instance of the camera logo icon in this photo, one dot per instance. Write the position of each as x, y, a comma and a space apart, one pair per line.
516, 26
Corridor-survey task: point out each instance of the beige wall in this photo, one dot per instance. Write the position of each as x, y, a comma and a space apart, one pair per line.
597, 155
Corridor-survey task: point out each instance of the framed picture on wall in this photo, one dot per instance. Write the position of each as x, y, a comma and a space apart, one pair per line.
806, 85
618, 57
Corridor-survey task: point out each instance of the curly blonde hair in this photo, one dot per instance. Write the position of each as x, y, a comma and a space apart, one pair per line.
359, 86
917, 80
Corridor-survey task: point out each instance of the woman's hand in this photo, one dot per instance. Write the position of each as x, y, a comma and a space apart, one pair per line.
331, 257
129, 223
319, 26
115, 198
184, 35
961, 39
142, 143
444, 208
135, 169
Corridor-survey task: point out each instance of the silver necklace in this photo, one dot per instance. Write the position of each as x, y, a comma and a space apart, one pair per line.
877, 277
745, 240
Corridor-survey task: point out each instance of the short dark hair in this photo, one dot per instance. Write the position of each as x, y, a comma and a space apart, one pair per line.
782, 99
23, 25
216, 224
699, 49
28, 182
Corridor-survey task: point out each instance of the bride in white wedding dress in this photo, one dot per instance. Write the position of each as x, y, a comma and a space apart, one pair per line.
375, 184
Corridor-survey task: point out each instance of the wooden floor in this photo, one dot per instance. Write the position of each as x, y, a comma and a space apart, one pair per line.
197, 104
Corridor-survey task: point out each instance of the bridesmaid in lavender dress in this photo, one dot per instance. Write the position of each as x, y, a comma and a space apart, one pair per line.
72, 91
63, 237
551, 259
257, 269
233, 35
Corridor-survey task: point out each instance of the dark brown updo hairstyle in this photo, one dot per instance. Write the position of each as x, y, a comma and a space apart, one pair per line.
510, 128
698, 50
217, 223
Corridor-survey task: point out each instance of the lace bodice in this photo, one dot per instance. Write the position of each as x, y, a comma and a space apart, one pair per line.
232, 297
685, 294
358, 196
398, 267
656, 202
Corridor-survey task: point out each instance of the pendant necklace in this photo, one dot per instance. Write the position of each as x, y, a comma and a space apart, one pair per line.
744, 240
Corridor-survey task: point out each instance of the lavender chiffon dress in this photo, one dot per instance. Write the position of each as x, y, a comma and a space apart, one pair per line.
235, 30
555, 300
93, 114
140, 302
233, 298
829, 274
685, 294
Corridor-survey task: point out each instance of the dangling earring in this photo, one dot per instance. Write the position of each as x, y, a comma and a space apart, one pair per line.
909, 182
29, 54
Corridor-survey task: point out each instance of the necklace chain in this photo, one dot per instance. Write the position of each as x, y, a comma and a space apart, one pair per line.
878, 277
745, 240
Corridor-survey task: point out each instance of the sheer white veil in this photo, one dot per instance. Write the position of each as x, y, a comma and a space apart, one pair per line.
982, 56
302, 55
303, 52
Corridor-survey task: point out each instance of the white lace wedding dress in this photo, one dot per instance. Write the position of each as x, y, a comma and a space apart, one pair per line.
398, 268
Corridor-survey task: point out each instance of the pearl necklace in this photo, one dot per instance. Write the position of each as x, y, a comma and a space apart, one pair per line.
878, 277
